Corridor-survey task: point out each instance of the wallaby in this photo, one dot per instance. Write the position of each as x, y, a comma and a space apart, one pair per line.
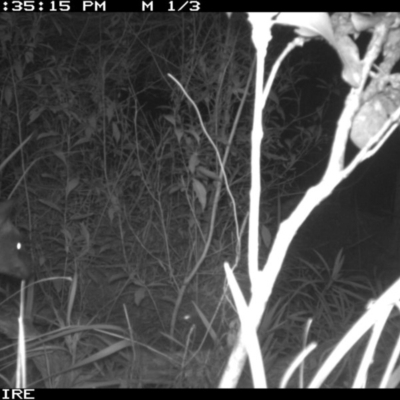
14, 261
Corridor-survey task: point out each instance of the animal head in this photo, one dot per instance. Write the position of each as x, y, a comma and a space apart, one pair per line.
14, 261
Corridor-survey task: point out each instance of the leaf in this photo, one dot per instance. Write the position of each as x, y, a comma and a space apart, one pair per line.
29, 56
174, 188
337, 266
310, 24
201, 193
350, 57
194, 133
110, 111
34, 114
207, 173
266, 236
193, 162
60, 155
140, 294
319, 24
170, 119
71, 185
273, 97
363, 22
178, 133
51, 205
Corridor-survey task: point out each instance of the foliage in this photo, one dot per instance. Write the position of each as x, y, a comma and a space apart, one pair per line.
121, 183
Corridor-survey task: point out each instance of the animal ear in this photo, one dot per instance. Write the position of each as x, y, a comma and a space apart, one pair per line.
6, 207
